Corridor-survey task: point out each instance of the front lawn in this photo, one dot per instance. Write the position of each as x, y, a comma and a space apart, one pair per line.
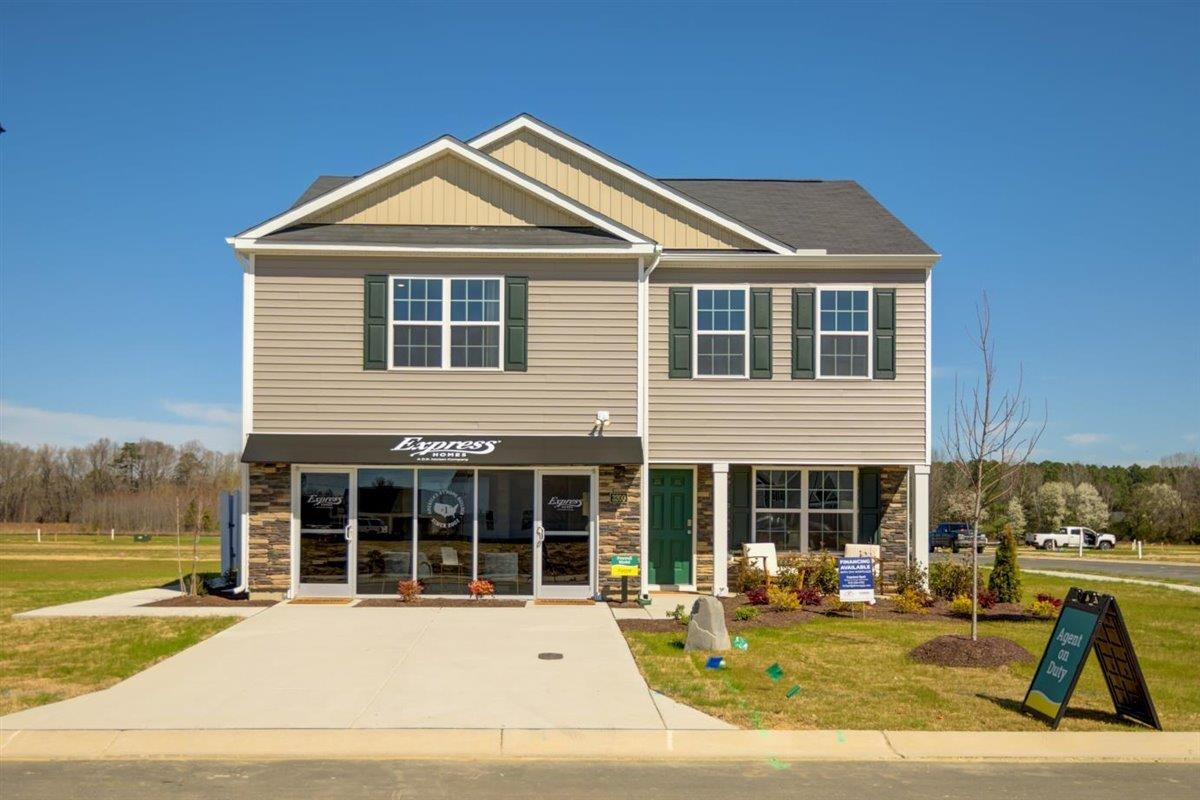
45, 660
856, 674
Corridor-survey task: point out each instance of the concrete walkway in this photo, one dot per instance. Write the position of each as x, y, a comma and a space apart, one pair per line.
133, 604
341, 667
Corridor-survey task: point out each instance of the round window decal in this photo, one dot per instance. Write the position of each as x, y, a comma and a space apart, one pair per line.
445, 509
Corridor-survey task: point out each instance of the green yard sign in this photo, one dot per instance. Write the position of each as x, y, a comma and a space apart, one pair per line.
1089, 621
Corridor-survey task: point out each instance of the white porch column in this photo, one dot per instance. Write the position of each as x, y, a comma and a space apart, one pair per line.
720, 494
920, 515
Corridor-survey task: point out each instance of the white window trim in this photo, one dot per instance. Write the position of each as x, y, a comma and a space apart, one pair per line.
446, 324
805, 511
867, 334
697, 333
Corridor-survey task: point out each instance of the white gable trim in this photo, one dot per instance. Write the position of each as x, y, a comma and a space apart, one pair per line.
445, 144
526, 122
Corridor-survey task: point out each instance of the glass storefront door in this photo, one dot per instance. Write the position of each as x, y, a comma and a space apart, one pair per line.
566, 516
325, 512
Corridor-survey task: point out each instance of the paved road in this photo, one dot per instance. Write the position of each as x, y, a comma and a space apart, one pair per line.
366, 780
1099, 566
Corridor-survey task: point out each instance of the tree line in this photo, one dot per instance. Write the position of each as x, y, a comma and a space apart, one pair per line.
1157, 503
145, 485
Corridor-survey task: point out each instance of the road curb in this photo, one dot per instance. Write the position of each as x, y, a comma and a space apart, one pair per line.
604, 745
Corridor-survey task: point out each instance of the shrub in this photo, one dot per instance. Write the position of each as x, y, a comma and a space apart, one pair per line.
949, 579
1049, 598
960, 606
837, 606
1042, 609
910, 577
745, 613
1005, 578
782, 600
808, 596
743, 576
911, 601
481, 588
757, 596
409, 591
987, 598
679, 615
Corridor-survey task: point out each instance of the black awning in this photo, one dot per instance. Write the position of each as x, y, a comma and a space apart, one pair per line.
471, 449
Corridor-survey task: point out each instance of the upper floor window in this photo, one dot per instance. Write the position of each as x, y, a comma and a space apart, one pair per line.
440, 323
721, 332
844, 333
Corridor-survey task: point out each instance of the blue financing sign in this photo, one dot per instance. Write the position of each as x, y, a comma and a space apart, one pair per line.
856, 580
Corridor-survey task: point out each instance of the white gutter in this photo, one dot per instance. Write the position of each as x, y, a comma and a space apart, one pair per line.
643, 339
250, 246
800, 259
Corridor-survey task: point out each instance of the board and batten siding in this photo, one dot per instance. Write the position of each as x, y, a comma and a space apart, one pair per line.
445, 191
308, 353
782, 420
583, 180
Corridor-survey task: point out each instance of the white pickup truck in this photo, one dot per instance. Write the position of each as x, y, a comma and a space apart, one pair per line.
1068, 538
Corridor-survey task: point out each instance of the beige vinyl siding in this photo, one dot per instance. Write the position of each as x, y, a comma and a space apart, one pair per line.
446, 191
783, 420
582, 180
308, 339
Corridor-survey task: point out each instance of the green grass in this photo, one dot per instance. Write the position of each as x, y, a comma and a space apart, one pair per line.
856, 674
45, 660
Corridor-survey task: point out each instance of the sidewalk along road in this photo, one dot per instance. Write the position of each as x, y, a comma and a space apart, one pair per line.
1097, 566
588, 780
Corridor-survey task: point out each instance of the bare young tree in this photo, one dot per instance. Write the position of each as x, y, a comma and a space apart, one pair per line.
990, 435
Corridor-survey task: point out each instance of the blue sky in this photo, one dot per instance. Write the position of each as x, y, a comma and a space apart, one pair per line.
1048, 151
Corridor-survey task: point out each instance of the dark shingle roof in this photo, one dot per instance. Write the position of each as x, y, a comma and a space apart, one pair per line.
838, 216
426, 235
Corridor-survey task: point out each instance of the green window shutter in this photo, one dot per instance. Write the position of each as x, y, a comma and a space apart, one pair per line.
516, 324
679, 332
375, 318
739, 506
760, 333
884, 335
804, 334
870, 512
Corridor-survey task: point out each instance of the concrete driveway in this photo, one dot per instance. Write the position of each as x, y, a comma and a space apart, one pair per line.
314, 666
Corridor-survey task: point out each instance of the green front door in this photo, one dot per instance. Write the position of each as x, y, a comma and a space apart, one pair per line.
670, 559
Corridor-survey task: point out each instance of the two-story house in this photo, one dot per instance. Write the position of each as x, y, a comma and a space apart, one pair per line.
514, 357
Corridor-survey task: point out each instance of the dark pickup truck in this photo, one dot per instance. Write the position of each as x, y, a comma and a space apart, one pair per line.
955, 536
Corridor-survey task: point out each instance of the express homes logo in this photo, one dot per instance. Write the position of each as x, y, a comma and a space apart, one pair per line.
421, 449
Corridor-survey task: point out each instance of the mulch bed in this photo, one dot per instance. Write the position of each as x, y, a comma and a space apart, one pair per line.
437, 602
882, 610
206, 601
961, 651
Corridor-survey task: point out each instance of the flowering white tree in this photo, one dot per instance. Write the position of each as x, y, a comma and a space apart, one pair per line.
1155, 509
1015, 512
1086, 507
1050, 505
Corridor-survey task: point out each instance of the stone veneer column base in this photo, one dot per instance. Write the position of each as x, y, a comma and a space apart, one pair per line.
893, 529
619, 525
270, 540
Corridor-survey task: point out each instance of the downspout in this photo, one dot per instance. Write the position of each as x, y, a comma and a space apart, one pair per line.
643, 337
247, 261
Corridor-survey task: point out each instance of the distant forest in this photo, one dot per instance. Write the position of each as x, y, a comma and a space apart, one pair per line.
140, 486
134, 486
1159, 503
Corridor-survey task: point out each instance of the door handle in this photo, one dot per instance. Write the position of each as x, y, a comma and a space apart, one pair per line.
541, 534
346, 533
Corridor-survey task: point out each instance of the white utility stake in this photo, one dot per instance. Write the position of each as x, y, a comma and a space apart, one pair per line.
1081, 542
1139, 549
112, 534
39, 535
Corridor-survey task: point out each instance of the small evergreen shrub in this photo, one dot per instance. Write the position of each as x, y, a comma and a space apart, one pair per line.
949, 579
960, 606
1042, 609
745, 613
826, 578
781, 599
911, 601
1005, 577
744, 576
909, 577
679, 615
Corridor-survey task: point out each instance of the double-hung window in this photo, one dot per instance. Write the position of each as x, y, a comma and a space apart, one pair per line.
445, 323
721, 332
844, 333
807, 510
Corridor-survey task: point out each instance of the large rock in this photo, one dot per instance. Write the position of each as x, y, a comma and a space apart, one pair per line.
706, 630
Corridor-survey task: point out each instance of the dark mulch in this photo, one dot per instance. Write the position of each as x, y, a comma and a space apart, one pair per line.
766, 618
960, 651
207, 600
438, 602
